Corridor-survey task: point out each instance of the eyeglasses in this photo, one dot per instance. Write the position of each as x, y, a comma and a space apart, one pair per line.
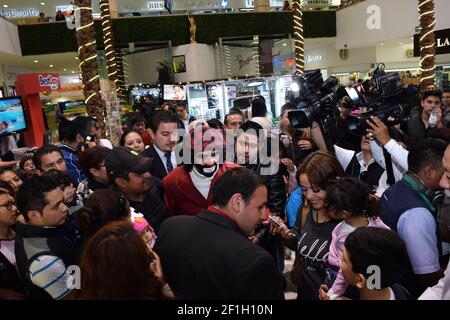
9, 205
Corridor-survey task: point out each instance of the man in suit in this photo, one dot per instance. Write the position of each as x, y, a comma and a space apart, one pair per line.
188, 188
163, 130
209, 256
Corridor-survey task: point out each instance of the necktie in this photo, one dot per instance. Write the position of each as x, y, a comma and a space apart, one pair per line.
168, 156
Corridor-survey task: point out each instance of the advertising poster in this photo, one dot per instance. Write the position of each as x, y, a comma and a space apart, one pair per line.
175, 92
215, 95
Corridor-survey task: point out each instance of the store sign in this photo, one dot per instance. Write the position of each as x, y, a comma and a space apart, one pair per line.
321, 2
19, 13
311, 59
155, 6
273, 3
442, 42
49, 81
64, 8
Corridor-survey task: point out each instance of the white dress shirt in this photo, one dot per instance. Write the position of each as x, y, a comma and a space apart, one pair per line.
161, 154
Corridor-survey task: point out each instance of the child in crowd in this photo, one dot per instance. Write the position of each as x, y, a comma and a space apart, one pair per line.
374, 261
348, 199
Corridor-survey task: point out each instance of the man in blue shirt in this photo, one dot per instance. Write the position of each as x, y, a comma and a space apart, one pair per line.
409, 208
82, 132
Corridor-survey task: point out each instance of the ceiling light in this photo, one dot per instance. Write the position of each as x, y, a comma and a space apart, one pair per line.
401, 43
5, 6
294, 87
36, 61
255, 83
73, 71
284, 44
51, 66
65, 69
76, 58
382, 44
42, 3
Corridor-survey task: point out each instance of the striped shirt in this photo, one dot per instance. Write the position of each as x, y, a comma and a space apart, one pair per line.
49, 273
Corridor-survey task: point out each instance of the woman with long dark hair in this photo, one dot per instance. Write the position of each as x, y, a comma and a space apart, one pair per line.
117, 265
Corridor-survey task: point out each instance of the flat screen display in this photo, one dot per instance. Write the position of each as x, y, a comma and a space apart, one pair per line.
12, 116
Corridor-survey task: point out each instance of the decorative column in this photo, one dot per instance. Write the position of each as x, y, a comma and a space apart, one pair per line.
427, 43
108, 40
299, 41
88, 59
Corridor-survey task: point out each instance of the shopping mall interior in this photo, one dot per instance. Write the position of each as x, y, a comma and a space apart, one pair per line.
106, 59
235, 43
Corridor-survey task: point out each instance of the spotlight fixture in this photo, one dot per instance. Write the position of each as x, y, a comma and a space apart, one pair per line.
51, 66
36, 61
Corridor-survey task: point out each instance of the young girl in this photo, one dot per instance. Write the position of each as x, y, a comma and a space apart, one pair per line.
348, 199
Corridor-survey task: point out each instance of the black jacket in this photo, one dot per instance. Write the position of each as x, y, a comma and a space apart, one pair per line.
158, 169
152, 207
276, 188
207, 257
9, 278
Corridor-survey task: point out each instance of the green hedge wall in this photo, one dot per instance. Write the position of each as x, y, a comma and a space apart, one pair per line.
55, 37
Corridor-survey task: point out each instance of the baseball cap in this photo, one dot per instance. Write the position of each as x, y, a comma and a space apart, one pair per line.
123, 160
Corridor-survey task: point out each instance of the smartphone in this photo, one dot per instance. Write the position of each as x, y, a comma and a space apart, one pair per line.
274, 221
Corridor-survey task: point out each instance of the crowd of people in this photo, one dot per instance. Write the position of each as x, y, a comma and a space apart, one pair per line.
192, 209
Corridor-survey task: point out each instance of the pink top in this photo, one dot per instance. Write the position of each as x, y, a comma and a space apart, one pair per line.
340, 233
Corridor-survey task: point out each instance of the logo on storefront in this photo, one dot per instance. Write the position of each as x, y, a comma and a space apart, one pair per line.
19, 13
442, 42
49, 81
155, 6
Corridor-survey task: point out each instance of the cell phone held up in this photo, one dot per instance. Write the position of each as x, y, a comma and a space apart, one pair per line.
274, 221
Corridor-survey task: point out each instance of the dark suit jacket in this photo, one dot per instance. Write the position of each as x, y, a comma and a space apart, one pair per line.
208, 257
158, 169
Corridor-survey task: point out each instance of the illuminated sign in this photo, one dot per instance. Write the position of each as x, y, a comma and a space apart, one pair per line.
19, 13
273, 3
310, 59
49, 81
64, 8
321, 2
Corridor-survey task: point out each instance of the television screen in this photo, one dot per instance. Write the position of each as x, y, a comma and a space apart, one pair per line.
174, 92
12, 116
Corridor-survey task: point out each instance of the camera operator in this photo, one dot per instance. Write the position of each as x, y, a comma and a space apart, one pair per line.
395, 147
430, 117
361, 164
344, 138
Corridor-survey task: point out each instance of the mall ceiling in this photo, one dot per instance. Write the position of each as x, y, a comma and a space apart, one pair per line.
62, 63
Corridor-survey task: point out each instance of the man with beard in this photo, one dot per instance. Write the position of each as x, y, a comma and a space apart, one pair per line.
188, 187
255, 152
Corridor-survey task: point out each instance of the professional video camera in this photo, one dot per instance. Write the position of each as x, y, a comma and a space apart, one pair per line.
381, 97
317, 99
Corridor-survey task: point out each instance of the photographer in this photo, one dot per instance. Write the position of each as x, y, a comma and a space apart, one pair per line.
396, 148
344, 138
360, 165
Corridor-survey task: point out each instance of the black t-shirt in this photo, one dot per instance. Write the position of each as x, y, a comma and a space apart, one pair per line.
313, 250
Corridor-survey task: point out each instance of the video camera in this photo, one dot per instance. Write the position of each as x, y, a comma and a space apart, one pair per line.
381, 97
317, 99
